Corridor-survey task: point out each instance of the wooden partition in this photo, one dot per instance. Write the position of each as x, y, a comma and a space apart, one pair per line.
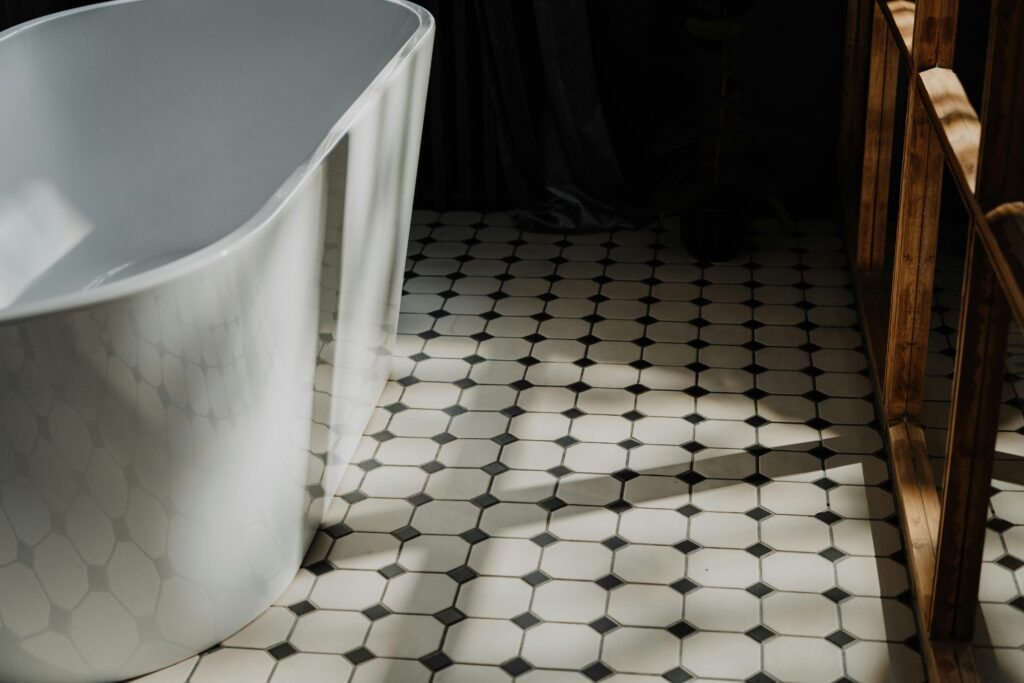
985, 157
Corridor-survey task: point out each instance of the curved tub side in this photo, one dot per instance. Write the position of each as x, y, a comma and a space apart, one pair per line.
372, 175
166, 457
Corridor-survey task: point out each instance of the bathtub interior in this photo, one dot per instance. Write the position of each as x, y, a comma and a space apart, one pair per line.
136, 133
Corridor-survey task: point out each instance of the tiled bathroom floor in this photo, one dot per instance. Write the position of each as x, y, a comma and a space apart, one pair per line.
600, 461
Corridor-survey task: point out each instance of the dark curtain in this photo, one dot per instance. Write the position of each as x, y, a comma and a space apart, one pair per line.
590, 114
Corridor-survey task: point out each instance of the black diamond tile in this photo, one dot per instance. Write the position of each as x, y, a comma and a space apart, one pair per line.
677, 675
822, 452
490, 315
443, 438
559, 471
629, 444
683, 586
419, 357
525, 620
408, 381
815, 396
696, 366
760, 678
999, 525
757, 513
641, 365
391, 571
836, 594
369, 465
449, 616
758, 550
535, 338
756, 421
757, 451
536, 578
583, 363
512, 411
597, 671
825, 483
528, 361
552, 503
681, 629
1010, 562
578, 387
760, 633
354, 497
588, 339
474, 359
395, 408
566, 441
542, 316
694, 418
406, 533
614, 542
818, 423
383, 436
625, 475
687, 546
338, 530
436, 661
431, 467
516, 666
455, 410
603, 625
691, 477
495, 468
521, 385
573, 413
757, 479
484, 500
320, 568
633, 415
504, 439
418, 499
832, 554
282, 650
755, 394
759, 589
609, 582
301, 608
428, 334
462, 574
474, 536
637, 389
376, 612
828, 517
544, 539
465, 383
694, 446
1018, 602
689, 510
618, 506
359, 655
840, 638
696, 392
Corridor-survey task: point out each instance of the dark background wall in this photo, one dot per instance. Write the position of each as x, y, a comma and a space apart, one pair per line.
506, 72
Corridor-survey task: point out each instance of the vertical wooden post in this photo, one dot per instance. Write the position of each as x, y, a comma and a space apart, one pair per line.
974, 418
918, 224
981, 342
883, 77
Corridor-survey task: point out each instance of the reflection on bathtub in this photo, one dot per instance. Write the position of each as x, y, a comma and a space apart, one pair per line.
38, 227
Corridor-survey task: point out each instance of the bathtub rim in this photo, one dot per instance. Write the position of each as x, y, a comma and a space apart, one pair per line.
237, 238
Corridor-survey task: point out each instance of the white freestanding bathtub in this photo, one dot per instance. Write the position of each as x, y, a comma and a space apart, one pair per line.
204, 206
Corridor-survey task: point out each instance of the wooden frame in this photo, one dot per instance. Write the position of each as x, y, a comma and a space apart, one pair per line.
985, 157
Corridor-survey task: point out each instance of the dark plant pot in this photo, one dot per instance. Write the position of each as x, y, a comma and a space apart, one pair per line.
714, 228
